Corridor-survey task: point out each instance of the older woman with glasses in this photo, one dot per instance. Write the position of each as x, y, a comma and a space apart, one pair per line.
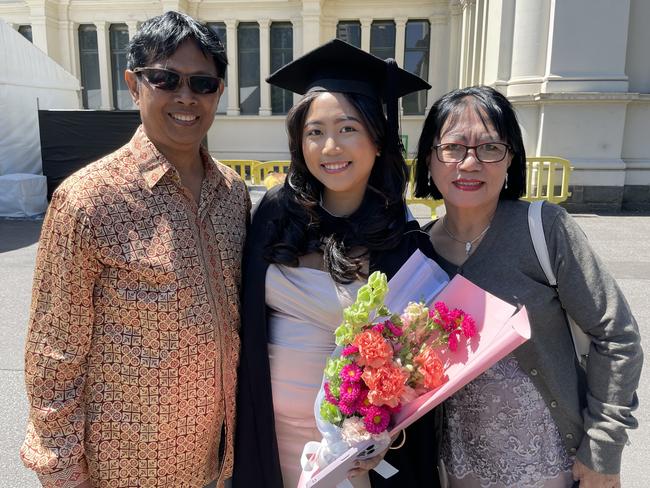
535, 418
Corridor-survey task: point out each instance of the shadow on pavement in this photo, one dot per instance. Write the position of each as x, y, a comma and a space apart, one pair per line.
16, 234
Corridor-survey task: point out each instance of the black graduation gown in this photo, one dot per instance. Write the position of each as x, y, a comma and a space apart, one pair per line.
256, 452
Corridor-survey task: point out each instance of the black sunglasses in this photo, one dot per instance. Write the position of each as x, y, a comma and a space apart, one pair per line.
169, 80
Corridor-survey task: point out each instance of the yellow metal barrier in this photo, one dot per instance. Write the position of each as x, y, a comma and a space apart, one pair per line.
262, 169
244, 167
547, 178
411, 200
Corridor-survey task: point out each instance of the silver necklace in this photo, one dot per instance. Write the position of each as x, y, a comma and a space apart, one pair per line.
468, 244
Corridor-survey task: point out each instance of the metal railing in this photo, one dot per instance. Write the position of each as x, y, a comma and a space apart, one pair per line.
547, 178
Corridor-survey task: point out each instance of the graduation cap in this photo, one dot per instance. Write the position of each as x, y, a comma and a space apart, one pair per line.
340, 67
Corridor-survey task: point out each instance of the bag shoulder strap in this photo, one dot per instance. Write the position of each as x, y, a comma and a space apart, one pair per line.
581, 341
539, 240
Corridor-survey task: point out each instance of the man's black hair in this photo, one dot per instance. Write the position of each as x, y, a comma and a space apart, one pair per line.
158, 38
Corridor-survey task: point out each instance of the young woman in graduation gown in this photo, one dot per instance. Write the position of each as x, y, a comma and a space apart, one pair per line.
339, 216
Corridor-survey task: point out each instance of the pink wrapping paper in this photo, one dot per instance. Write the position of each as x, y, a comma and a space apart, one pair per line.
499, 333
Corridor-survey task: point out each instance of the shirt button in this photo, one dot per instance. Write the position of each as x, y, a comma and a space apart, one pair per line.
572, 450
553, 404
569, 436
533, 372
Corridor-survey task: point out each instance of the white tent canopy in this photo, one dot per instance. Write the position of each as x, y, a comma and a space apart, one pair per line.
29, 80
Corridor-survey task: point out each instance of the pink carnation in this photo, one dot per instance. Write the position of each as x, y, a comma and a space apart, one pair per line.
394, 329
349, 350
376, 420
452, 342
440, 314
469, 326
350, 372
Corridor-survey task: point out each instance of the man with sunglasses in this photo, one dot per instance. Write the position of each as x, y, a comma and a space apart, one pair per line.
133, 340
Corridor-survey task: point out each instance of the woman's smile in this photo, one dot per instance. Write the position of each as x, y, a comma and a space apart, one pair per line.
333, 167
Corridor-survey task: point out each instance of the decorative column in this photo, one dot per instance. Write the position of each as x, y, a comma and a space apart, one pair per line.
467, 49
455, 40
366, 24
68, 46
530, 36
265, 66
498, 49
177, 5
104, 55
479, 45
297, 46
233, 70
400, 38
132, 25
311, 20
328, 31
439, 47
43, 16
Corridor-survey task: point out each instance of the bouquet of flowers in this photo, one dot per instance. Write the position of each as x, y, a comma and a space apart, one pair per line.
389, 369
386, 359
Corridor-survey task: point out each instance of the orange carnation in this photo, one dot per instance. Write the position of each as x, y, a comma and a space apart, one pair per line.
431, 367
374, 350
386, 384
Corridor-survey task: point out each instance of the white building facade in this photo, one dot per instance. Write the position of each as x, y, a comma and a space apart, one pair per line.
578, 71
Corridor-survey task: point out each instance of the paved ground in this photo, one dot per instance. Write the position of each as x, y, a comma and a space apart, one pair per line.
622, 241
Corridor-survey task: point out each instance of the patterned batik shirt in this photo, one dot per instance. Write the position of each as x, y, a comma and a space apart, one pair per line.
133, 345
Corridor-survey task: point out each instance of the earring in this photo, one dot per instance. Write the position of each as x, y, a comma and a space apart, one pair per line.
378, 153
506, 185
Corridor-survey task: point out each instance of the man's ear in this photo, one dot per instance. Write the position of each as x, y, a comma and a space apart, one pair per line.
132, 82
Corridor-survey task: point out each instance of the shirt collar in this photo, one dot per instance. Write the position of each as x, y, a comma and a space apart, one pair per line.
153, 165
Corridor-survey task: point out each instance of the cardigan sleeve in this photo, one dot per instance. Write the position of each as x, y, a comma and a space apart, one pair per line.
591, 296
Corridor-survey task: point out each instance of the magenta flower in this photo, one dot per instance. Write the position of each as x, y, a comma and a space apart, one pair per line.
395, 330
469, 326
376, 419
453, 340
350, 372
378, 327
350, 392
347, 408
349, 350
328, 395
362, 401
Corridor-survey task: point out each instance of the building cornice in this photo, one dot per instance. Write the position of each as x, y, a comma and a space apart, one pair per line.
579, 97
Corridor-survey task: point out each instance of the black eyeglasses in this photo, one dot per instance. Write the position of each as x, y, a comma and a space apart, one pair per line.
169, 80
489, 152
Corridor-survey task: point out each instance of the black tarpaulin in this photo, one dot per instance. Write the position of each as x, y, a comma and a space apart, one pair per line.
70, 139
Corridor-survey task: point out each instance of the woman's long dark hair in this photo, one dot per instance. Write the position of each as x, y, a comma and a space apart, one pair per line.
304, 227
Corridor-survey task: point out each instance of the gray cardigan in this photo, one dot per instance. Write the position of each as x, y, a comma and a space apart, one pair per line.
592, 410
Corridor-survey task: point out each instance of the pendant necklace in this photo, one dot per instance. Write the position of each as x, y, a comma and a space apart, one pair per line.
468, 244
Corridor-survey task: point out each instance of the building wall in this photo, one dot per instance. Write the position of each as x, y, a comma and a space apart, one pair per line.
581, 83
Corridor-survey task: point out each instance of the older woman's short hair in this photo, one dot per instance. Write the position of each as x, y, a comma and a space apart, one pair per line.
158, 38
494, 109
